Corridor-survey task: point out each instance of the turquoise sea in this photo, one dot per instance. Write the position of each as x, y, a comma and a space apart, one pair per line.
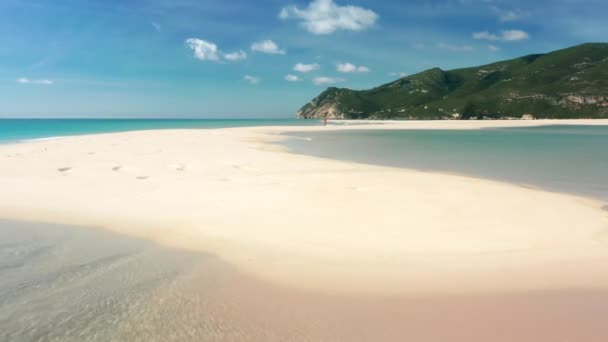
24, 129
572, 159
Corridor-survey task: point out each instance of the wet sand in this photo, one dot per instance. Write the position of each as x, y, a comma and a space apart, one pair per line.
60, 283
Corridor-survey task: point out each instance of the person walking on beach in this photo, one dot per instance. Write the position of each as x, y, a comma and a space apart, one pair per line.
325, 119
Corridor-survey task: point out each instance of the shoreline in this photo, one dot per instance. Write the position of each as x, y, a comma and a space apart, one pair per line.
295, 220
356, 124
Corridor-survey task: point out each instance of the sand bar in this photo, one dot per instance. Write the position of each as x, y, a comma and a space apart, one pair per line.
313, 223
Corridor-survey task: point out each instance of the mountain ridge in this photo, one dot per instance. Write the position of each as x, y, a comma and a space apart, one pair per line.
567, 83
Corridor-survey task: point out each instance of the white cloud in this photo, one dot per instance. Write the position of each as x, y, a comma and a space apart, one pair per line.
251, 79
24, 80
208, 51
493, 48
323, 80
236, 56
203, 50
455, 48
350, 68
505, 36
300, 67
400, 74
514, 35
267, 46
325, 17
291, 78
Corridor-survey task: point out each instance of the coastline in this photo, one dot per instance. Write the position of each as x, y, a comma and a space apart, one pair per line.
305, 222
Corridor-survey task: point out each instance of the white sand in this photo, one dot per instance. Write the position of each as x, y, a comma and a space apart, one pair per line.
313, 223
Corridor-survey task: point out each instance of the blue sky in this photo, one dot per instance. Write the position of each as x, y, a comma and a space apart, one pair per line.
262, 58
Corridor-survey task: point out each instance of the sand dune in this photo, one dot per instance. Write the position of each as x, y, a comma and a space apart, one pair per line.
311, 223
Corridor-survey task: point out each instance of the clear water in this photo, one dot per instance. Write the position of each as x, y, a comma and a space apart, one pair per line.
24, 129
60, 283
76, 284
572, 159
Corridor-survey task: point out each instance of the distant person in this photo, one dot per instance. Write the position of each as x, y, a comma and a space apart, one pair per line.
325, 120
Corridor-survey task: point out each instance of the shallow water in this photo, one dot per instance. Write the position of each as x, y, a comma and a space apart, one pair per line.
23, 129
572, 159
62, 283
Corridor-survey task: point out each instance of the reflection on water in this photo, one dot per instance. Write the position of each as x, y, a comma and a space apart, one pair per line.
76, 284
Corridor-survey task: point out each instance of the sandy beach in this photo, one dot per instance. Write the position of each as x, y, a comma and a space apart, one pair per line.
222, 235
310, 223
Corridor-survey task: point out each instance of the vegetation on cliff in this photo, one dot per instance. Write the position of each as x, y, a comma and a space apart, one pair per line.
569, 83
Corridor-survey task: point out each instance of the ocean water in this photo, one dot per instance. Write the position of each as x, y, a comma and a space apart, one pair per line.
571, 159
12, 130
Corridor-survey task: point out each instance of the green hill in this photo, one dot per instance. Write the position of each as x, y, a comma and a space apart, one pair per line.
569, 83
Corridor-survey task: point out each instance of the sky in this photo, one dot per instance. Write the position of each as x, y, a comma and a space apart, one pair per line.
262, 58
